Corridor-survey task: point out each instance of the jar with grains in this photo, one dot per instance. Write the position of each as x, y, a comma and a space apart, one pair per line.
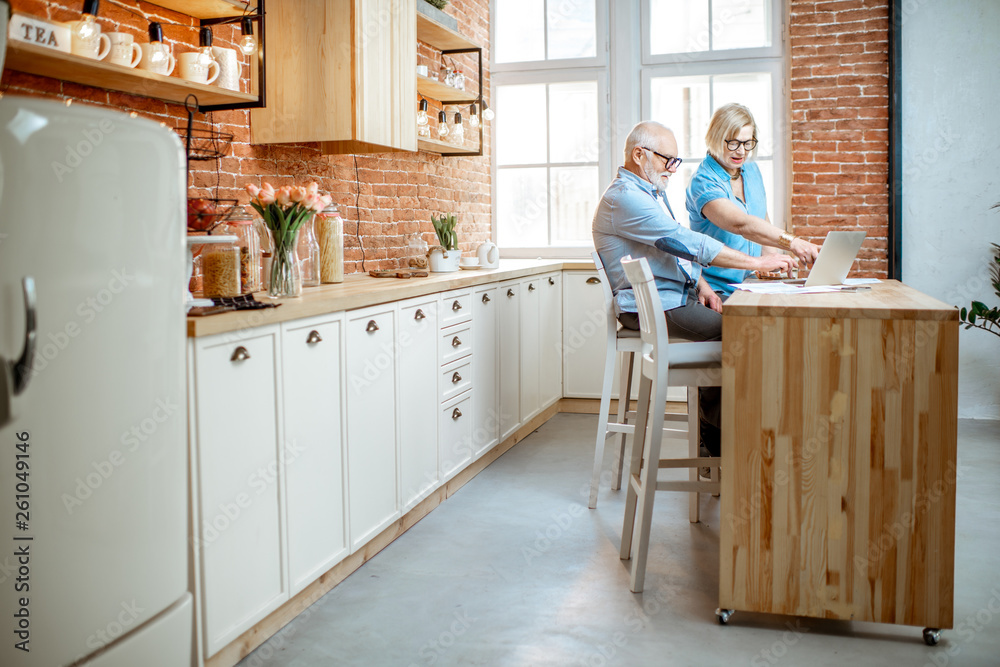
240, 223
221, 266
330, 233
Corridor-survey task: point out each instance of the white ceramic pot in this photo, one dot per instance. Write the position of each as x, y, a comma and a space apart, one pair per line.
489, 255
444, 261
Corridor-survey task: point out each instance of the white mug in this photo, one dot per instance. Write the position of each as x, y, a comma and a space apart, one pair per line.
192, 70
124, 50
156, 57
96, 47
229, 68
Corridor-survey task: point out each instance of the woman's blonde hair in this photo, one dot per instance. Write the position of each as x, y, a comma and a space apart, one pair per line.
726, 123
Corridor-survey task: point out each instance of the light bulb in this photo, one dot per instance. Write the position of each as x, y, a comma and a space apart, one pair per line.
248, 45
422, 113
86, 28
473, 116
488, 114
457, 131
205, 57
158, 51
442, 125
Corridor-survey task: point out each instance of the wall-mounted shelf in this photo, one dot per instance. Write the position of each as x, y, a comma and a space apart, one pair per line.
443, 148
441, 37
442, 93
206, 9
41, 61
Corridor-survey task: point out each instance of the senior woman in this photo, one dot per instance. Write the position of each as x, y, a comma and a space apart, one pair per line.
726, 198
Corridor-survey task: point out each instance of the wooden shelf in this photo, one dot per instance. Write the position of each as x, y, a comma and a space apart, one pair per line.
206, 9
442, 38
58, 65
442, 148
442, 93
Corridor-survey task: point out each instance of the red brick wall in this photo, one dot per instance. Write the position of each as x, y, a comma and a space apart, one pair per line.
396, 193
840, 122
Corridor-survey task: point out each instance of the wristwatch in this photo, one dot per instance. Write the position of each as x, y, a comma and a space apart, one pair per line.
785, 240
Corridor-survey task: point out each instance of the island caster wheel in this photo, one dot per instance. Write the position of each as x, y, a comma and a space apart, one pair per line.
725, 614
932, 636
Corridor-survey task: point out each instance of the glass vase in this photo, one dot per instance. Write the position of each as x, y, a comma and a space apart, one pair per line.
284, 278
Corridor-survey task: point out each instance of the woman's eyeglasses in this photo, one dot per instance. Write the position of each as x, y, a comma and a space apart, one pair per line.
671, 162
734, 144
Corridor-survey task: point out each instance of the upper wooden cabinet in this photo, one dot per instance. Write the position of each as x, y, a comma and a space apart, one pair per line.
341, 73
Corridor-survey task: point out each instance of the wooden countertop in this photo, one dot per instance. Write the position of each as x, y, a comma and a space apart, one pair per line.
359, 291
889, 299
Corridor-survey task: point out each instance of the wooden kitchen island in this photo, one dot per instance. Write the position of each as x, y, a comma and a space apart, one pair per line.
839, 438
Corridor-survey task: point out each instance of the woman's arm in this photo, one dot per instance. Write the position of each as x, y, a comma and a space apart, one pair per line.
727, 215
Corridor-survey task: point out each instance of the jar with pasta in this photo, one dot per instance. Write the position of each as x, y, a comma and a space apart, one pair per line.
330, 233
240, 223
221, 271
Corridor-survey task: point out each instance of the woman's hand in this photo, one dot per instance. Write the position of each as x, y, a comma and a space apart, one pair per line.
772, 263
707, 296
806, 252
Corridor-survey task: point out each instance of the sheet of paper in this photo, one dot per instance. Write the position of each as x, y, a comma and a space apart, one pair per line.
862, 281
784, 288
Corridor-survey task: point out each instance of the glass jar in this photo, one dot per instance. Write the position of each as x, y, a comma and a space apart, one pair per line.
309, 254
221, 265
417, 251
330, 230
448, 76
240, 223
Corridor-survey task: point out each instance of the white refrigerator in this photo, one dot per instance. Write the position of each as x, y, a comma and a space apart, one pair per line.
94, 518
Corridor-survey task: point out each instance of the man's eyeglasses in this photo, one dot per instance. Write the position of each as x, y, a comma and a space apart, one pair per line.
734, 144
671, 162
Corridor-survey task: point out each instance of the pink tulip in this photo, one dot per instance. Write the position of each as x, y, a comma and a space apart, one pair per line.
266, 196
299, 194
326, 200
312, 189
283, 197
253, 190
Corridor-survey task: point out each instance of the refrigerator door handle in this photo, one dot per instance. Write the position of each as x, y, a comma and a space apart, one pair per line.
20, 370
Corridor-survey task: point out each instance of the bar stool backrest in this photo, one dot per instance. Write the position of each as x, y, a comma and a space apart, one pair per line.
652, 321
609, 298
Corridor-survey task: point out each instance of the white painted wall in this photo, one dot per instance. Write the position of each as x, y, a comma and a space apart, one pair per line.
951, 172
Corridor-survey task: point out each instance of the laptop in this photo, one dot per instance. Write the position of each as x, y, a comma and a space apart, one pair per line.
836, 257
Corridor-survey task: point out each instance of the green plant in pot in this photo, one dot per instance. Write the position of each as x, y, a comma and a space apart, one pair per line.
978, 315
445, 257
440, 4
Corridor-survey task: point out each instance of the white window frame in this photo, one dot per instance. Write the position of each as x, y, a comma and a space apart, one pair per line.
599, 60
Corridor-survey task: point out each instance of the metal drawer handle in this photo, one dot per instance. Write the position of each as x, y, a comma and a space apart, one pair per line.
510, 292
240, 354
593, 281
456, 341
372, 326
486, 298
419, 315
455, 378
531, 287
314, 338
456, 305
456, 413
551, 281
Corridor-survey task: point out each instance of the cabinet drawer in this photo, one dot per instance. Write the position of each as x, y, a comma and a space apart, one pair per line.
455, 433
456, 378
456, 307
456, 342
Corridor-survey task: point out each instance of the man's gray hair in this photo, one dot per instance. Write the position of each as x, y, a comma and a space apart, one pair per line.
642, 135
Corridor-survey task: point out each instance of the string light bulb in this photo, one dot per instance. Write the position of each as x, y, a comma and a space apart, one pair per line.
158, 51
473, 116
442, 125
457, 131
488, 114
422, 112
248, 45
86, 28
205, 57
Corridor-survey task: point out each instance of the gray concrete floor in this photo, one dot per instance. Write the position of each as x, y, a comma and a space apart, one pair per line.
514, 570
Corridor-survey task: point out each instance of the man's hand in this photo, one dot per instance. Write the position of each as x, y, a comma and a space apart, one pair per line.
779, 263
707, 297
807, 252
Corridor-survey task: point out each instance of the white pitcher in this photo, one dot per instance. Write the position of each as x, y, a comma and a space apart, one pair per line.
489, 255
229, 68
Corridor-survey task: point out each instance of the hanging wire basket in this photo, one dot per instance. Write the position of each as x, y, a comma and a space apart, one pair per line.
203, 144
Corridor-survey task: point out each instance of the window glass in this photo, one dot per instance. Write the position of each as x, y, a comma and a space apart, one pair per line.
573, 122
690, 26
574, 192
522, 207
740, 24
572, 29
520, 124
752, 90
520, 30
683, 103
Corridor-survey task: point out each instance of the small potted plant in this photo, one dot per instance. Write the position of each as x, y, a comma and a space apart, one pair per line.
445, 257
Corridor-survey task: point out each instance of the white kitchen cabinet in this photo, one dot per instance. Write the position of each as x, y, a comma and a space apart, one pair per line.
509, 312
485, 358
417, 359
530, 352
550, 339
312, 365
456, 435
371, 422
238, 530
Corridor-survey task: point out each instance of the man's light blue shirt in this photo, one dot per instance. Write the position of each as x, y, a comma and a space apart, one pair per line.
631, 221
710, 182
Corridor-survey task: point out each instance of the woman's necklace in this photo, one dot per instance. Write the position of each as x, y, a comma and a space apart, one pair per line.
736, 176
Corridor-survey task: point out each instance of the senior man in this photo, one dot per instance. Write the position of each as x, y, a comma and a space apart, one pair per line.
634, 218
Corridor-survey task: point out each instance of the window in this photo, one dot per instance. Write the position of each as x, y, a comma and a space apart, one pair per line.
564, 107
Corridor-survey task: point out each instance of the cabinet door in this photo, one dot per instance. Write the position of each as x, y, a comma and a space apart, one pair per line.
239, 529
418, 400
509, 311
485, 380
456, 435
530, 354
314, 453
371, 422
550, 339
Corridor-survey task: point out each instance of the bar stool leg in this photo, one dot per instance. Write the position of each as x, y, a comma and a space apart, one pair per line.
648, 478
602, 424
635, 464
624, 389
694, 442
